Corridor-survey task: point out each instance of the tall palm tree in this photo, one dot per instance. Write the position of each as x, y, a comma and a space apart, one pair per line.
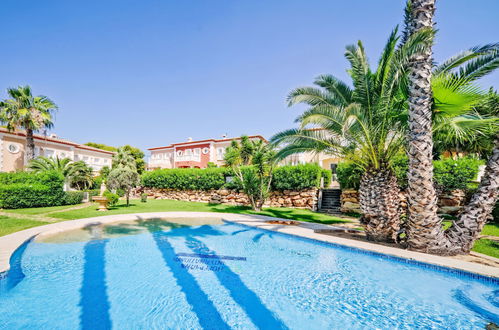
28, 112
362, 124
424, 228
77, 174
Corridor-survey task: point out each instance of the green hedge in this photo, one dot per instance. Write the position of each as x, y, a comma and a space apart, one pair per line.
348, 175
26, 189
300, 177
284, 178
185, 178
449, 174
73, 197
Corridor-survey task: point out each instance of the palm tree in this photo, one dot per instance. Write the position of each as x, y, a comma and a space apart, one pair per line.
76, 174
362, 124
124, 173
424, 227
28, 112
258, 160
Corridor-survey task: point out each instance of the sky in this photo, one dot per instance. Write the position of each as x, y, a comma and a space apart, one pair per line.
154, 72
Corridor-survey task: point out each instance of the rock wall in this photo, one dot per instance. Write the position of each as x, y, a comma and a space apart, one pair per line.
448, 202
298, 199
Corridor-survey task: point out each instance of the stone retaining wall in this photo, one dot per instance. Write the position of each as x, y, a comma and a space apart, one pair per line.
448, 202
298, 199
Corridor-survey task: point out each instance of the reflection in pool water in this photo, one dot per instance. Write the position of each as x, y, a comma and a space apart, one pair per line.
203, 273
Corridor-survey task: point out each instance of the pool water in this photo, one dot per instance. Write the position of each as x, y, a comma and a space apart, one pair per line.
207, 274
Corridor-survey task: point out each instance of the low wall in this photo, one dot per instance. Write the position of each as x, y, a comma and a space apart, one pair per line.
298, 199
448, 202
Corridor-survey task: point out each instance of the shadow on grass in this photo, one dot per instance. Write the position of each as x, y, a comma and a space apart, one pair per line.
277, 213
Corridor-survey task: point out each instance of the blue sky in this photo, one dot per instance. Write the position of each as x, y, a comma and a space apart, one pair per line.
151, 72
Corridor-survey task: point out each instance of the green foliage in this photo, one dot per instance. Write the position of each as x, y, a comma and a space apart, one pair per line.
449, 174
28, 189
452, 174
101, 146
143, 197
211, 165
123, 175
185, 178
349, 174
299, 177
73, 197
111, 197
96, 182
77, 174
104, 172
136, 153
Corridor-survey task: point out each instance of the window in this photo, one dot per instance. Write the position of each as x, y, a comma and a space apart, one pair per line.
62, 155
96, 160
188, 152
49, 153
85, 158
13, 148
197, 151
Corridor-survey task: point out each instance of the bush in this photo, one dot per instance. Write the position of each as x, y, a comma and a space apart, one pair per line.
449, 174
111, 198
185, 178
28, 189
453, 174
73, 197
96, 182
143, 197
299, 177
348, 174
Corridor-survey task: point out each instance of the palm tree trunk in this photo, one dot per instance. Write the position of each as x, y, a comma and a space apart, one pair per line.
30, 145
463, 232
379, 201
424, 232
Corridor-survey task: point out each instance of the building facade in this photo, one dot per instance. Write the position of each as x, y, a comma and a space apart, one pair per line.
13, 151
192, 154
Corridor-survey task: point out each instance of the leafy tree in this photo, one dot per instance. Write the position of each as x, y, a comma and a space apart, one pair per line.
252, 163
28, 112
104, 172
76, 174
124, 173
137, 154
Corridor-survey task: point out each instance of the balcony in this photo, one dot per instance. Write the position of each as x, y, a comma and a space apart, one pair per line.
188, 158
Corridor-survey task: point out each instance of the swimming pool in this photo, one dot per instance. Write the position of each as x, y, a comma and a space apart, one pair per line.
204, 273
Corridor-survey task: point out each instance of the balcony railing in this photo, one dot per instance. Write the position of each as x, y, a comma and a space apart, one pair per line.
188, 158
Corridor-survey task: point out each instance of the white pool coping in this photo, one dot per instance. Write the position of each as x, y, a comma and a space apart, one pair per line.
10, 243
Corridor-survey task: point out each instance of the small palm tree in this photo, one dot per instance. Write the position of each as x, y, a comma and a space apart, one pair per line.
76, 174
252, 163
124, 173
28, 112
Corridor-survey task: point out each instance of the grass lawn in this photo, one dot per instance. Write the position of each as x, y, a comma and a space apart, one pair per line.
10, 225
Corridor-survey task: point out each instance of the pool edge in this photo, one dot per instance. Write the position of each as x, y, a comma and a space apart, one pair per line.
10, 243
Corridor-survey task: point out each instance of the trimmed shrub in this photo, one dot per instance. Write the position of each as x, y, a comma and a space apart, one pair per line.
111, 197
299, 177
449, 174
185, 178
284, 178
453, 174
73, 197
348, 174
27, 189
143, 197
